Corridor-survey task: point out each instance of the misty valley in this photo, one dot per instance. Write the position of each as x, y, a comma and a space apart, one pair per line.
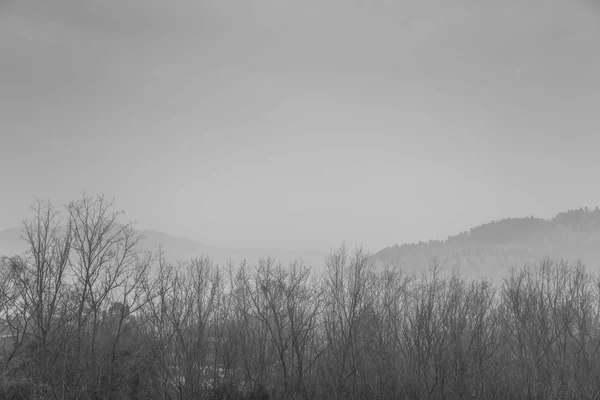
339, 199
88, 310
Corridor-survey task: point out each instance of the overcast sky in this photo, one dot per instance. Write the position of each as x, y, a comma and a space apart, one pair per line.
299, 124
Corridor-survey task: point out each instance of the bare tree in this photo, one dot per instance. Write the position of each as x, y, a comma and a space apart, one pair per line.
347, 297
104, 257
303, 302
37, 311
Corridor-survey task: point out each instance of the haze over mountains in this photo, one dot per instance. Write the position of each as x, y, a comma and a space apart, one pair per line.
182, 249
488, 250
289, 123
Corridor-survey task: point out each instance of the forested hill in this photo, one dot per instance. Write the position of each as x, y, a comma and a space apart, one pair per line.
490, 249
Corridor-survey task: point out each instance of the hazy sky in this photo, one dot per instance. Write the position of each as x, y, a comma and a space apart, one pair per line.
299, 124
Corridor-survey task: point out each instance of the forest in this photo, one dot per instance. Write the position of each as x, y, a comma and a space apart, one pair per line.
85, 314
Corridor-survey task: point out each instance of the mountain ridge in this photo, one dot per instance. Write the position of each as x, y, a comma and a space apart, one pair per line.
491, 248
486, 250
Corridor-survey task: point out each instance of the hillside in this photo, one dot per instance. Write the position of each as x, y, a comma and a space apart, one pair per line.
490, 249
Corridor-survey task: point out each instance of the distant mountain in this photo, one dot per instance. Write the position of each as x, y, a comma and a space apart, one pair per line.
181, 249
486, 250
491, 249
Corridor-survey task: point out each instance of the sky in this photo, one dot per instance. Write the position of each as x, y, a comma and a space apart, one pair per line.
301, 124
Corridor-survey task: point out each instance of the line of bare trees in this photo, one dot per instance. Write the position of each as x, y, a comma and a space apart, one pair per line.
84, 314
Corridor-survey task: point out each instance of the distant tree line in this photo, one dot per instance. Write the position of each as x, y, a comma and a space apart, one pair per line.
84, 314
